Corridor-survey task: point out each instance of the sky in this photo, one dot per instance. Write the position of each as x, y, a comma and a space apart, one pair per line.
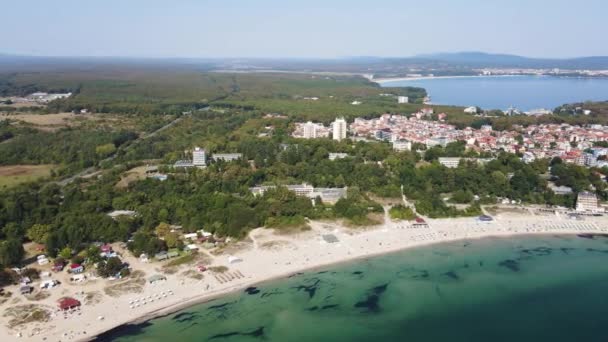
302, 29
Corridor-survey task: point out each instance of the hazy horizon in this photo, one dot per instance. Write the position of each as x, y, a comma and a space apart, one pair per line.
312, 29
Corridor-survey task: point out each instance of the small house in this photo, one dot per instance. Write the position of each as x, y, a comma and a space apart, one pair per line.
156, 278
106, 248
191, 247
172, 254
58, 266
68, 303
76, 268
48, 284
161, 256
26, 289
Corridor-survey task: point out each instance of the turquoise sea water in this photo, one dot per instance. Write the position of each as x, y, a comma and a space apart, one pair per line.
517, 289
522, 92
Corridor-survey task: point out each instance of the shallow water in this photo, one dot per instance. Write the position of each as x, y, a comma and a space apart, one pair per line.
516, 289
523, 92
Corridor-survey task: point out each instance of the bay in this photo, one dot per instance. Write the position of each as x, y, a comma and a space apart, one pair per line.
501, 92
552, 288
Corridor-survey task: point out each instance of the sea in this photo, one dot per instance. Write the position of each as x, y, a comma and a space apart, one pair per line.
549, 288
502, 92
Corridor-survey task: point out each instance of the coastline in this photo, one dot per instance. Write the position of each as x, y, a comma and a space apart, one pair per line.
202, 299
304, 252
382, 81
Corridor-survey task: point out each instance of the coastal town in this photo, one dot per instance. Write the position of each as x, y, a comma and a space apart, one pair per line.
573, 144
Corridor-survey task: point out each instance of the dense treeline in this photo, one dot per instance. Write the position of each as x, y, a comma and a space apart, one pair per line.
73, 148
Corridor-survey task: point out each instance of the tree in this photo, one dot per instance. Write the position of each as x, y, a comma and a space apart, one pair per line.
105, 150
11, 252
172, 239
39, 233
162, 229
66, 253
109, 267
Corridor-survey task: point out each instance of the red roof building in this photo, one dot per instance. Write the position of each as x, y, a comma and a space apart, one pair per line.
68, 303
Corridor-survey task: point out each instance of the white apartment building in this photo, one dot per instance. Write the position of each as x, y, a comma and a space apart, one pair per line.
227, 156
310, 130
339, 129
587, 201
402, 145
334, 156
403, 99
199, 157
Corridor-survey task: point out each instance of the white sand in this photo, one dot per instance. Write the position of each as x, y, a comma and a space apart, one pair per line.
272, 256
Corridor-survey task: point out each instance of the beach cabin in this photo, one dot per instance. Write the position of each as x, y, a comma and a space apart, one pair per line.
68, 303
42, 260
190, 236
191, 247
76, 268
26, 289
48, 284
161, 256
156, 278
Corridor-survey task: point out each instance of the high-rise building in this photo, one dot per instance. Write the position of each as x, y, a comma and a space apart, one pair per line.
199, 157
310, 130
339, 129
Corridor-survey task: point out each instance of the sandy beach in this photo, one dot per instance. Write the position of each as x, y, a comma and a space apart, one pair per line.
265, 255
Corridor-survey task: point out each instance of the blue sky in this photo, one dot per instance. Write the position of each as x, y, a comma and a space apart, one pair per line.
294, 28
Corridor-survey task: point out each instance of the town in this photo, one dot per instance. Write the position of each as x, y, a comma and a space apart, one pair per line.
572, 144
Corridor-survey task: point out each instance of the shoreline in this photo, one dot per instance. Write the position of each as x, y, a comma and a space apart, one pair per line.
202, 298
382, 81
286, 256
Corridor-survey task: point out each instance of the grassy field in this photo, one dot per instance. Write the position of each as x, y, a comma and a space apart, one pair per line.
16, 174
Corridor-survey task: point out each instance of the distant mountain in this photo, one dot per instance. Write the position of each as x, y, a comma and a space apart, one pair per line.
482, 59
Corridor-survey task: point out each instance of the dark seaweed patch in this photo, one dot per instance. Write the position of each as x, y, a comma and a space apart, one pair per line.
597, 250
310, 289
220, 306
452, 274
259, 332
481, 263
511, 264
370, 303
312, 308
295, 275
357, 272
185, 317
321, 272
252, 290
271, 293
424, 274
329, 306
566, 250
